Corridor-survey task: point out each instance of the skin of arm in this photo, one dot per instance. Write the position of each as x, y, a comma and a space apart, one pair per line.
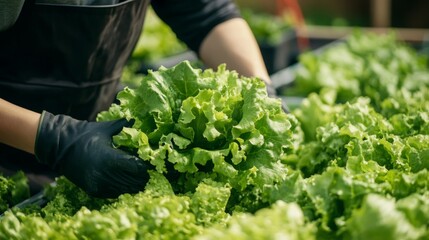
232, 42
18, 126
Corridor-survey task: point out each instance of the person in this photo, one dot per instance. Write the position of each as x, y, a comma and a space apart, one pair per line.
60, 65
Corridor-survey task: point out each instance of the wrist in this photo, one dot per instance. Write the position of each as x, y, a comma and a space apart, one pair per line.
49, 138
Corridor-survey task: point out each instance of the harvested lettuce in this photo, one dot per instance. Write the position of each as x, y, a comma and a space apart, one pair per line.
208, 125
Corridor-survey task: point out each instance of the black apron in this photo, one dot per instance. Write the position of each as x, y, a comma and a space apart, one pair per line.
67, 60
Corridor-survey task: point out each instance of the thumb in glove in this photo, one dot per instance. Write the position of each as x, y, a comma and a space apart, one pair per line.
83, 152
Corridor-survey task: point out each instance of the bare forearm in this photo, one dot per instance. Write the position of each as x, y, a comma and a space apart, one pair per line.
18, 126
233, 43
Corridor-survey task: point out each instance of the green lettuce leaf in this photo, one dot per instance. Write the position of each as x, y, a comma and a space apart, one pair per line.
208, 121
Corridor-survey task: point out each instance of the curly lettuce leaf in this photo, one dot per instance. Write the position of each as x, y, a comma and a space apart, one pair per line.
207, 121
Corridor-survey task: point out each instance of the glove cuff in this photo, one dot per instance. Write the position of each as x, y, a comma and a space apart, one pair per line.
46, 140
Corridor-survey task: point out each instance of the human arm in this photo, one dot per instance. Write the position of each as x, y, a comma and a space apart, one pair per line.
216, 32
80, 150
233, 43
18, 126
9, 12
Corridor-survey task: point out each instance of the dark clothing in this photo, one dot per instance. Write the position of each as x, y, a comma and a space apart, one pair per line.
9, 12
68, 59
192, 20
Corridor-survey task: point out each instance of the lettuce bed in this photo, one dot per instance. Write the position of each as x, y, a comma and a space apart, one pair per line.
230, 164
13, 190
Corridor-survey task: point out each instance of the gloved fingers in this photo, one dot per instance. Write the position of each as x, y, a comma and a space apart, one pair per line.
118, 182
172, 173
129, 164
108, 183
126, 182
127, 173
114, 127
112, 189
128, 123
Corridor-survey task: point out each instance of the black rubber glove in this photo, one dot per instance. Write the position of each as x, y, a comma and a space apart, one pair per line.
271, 92
83, 152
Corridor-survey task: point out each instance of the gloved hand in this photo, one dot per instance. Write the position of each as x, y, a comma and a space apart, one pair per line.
271, 92
83, 152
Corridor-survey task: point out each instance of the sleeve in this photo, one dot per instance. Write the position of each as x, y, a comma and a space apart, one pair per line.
192, 20
9, 12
